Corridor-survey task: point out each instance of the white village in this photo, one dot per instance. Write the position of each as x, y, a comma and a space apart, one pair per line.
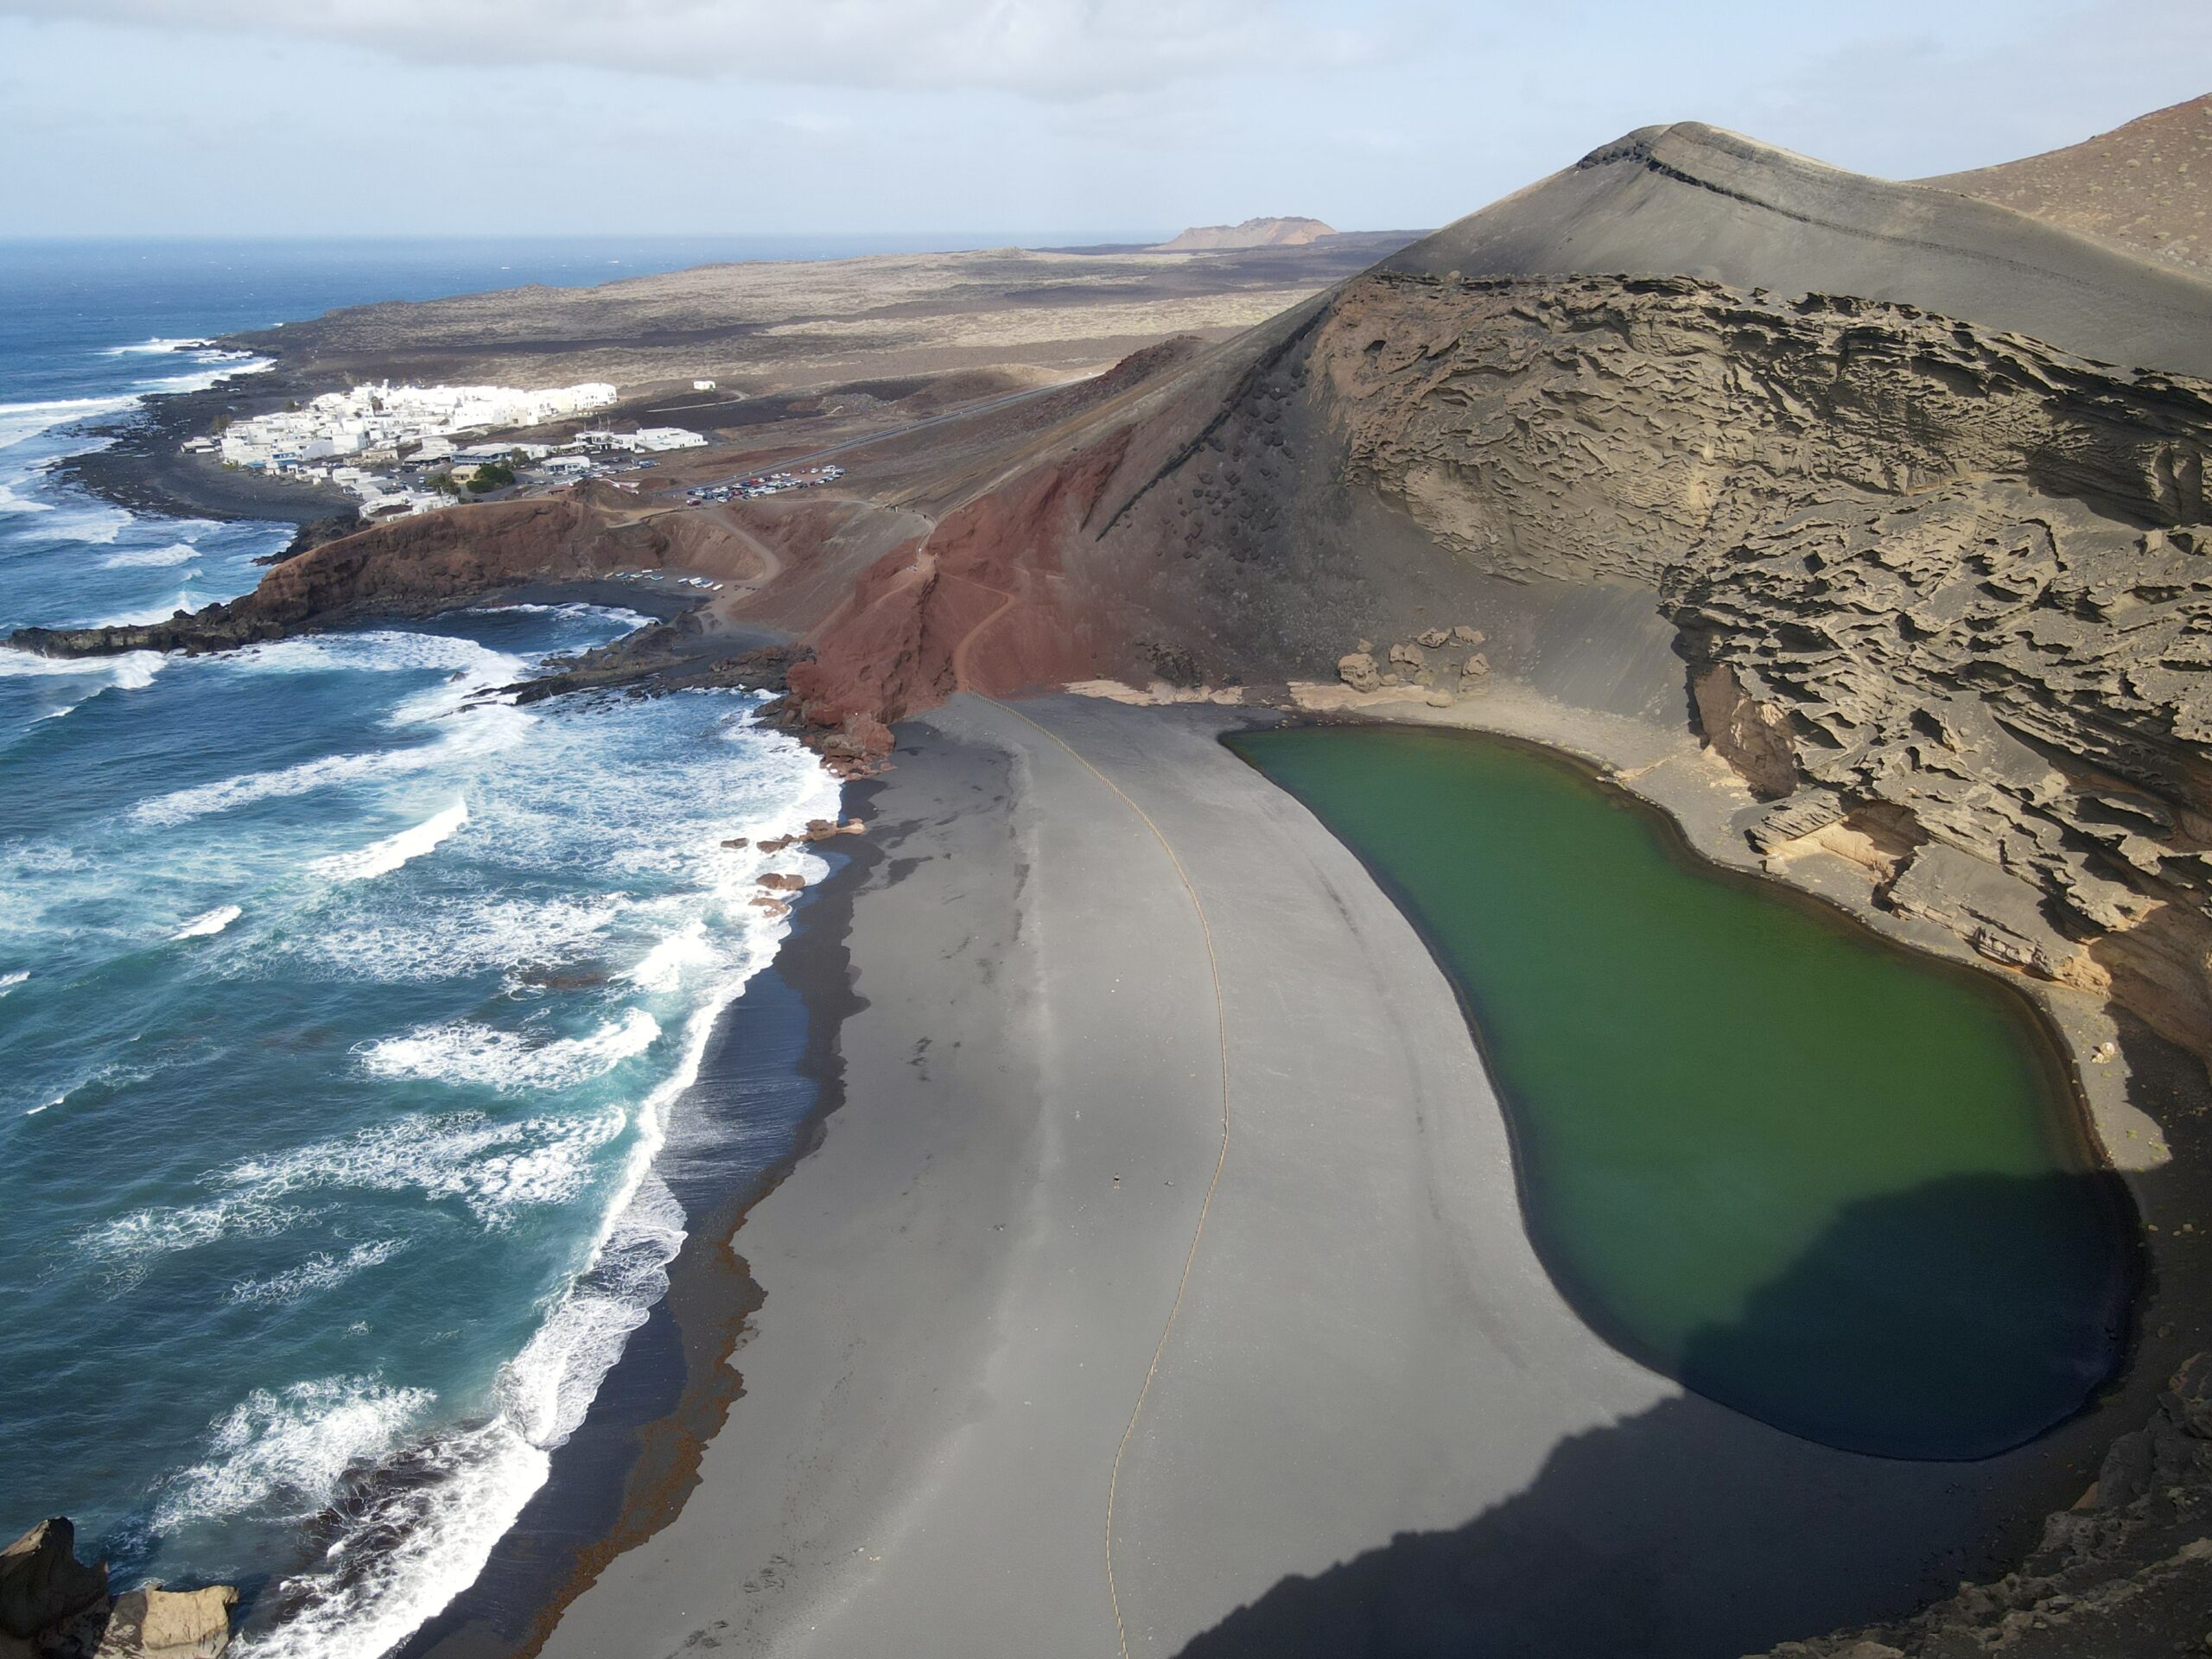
393, 447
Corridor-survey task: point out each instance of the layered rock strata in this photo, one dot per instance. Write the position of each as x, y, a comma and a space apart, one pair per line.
1955, 586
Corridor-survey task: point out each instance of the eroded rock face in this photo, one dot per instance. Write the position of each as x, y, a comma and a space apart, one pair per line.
1951, 576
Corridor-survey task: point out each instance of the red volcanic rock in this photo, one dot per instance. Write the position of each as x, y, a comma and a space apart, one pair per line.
974, 606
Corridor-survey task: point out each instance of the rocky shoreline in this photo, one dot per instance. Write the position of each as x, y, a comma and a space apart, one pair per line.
53, 1606
141, 465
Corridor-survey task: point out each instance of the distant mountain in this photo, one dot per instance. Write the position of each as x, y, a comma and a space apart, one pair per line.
2146, 186
1252, 233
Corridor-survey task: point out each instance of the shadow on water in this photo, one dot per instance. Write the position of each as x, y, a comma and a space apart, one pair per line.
1691, 1532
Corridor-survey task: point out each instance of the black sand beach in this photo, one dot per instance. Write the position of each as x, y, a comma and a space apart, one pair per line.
1372, 1424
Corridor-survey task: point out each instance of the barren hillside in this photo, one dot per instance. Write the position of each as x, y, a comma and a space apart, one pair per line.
2146, 186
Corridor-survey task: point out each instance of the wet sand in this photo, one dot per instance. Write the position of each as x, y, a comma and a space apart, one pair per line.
1369, 1424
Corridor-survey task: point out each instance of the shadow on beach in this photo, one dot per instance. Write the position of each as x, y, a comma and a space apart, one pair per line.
1690, 1532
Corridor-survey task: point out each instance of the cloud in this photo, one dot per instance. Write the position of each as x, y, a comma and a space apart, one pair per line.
1054, 49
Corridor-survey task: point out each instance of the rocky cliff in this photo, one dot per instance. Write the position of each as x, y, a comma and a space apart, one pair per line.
1951, 588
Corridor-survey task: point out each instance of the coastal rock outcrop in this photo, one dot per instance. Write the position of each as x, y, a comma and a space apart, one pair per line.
53, 1606
42, 1584
421, 566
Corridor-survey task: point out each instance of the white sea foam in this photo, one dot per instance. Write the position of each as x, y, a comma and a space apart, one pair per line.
205, 926
663, 968
157, 345
281, 1452
213, 366
493, 1166
145, 616
14, 662
9, 982
11, 502
469, 1054
93, 525
132, 670
412, 1544
444, 936
135, 669
19, 422
381, 650
418, 1531
318, 1272
382, 857
151, 557
577, 609
444, 1532
549, 1386
489, 727
129, 1243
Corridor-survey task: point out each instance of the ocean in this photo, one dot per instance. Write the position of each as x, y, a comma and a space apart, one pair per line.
343, 1003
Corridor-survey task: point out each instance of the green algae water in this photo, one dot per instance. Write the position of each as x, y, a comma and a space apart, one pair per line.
1822, 1180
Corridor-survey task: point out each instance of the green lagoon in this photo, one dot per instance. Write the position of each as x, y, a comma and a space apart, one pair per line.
1833, 1185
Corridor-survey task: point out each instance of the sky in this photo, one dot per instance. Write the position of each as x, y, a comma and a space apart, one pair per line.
1064, 119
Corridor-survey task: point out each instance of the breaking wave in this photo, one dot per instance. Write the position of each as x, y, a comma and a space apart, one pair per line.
280, 1451
151, 558
156, 345
490, 727
205, 926
382, 857
21, 422
466, 1054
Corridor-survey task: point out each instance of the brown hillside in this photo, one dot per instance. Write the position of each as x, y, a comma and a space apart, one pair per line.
2146, 186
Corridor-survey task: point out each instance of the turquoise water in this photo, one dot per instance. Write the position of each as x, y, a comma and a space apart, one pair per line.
343, 1006
1834, 1186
